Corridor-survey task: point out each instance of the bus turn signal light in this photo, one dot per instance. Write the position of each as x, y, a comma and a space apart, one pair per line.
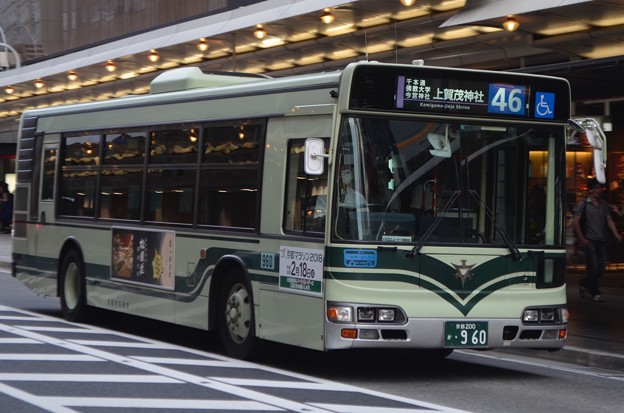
348, 333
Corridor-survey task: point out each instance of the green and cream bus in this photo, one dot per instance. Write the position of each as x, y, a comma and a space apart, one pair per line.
381, 206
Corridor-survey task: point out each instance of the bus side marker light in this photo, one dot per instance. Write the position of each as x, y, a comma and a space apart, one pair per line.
350, 333
202, 254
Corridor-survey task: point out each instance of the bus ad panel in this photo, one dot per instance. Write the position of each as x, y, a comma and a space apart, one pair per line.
144, 257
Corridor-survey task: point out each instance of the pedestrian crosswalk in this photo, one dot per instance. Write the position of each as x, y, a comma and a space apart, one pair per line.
51, 365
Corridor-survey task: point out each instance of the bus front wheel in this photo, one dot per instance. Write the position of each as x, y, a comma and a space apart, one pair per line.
72, 288
236, 316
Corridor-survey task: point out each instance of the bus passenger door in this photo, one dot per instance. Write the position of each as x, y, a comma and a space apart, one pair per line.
42, 212
292, 310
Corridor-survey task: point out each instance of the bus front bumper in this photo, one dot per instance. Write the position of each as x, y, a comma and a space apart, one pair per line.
436, 333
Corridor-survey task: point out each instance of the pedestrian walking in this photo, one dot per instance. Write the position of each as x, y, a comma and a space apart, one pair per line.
6, 208
592, 223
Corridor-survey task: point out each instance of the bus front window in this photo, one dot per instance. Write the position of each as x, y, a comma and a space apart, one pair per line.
404, 181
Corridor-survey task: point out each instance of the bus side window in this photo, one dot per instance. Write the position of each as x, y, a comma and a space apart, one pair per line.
306, 195
79, 175
228, 182
49, 170
169, 195
121, 176
174, 146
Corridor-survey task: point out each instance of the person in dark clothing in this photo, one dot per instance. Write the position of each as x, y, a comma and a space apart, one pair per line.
6, 208
592, 222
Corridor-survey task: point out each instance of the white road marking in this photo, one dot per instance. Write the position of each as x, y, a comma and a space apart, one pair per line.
282, 384
189, 362
344, 408
88, 378
158, 372
219, 405
19, 341
120, 344
46, 405
48, 357
586, 371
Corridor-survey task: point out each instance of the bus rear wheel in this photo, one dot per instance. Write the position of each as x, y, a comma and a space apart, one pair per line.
237, 328
72, 288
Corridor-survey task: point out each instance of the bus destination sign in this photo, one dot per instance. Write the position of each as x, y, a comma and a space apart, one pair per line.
420, 94
443, 91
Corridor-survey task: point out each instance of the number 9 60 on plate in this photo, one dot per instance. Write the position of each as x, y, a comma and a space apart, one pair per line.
466, 334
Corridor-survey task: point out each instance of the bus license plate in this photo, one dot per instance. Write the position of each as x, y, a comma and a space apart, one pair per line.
466, 334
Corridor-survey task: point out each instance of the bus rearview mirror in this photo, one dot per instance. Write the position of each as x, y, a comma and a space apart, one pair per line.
313, 157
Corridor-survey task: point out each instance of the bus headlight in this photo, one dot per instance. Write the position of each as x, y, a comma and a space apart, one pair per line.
340, 314
545, 315
530, 316
366, 313
385, 315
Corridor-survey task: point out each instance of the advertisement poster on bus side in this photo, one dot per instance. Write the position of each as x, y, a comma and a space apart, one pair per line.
301, 270
143, 257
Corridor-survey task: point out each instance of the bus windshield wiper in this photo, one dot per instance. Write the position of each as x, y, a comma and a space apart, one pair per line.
421, 242
515, 253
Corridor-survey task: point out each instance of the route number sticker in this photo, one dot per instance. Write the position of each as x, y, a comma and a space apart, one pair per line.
301, 269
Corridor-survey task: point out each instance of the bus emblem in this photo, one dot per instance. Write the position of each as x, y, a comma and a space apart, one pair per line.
463, 272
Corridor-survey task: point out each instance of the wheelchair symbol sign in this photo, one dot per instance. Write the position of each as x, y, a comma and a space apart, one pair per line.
544, 105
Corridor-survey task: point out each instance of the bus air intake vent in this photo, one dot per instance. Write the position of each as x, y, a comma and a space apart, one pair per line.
393, 335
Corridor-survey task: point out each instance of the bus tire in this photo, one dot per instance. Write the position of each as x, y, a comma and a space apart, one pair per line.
236, 321
72, 288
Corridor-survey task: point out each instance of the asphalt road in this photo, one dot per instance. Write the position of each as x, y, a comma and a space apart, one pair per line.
120, 363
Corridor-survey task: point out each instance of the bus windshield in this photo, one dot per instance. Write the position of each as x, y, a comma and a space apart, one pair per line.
425, 183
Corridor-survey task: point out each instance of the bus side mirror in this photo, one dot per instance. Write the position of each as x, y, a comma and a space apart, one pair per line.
597, 140
314, 163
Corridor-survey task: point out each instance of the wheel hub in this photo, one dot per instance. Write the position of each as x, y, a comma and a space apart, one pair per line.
238, 314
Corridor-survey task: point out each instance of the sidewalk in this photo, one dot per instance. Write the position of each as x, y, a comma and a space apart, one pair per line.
595, 330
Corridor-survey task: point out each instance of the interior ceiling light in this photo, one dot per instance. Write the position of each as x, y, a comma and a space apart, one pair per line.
260, 33
110, 66
153, 56
9, 89
72, 75
408, 3
202, 45
38, 83
327, 17
511, 24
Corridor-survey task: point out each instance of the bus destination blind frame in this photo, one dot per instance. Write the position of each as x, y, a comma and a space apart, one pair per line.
466, 93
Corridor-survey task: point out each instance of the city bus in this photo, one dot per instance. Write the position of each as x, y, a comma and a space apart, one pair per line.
388, 206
